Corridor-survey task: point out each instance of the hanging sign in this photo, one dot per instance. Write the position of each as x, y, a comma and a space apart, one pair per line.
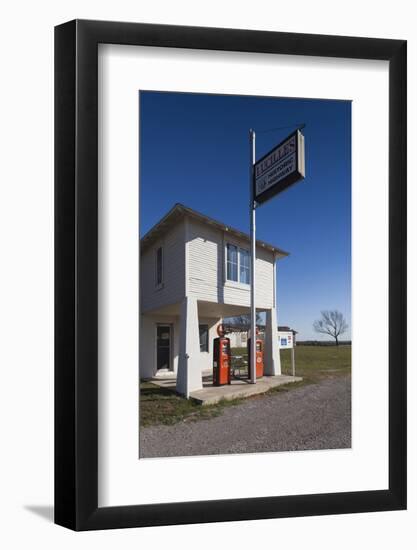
281, 167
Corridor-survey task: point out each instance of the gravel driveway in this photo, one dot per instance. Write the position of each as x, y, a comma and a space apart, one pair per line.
310, 417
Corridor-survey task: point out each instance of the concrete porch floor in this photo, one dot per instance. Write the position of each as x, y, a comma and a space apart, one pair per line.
210, 394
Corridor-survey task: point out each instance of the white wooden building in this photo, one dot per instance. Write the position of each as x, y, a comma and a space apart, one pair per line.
195, 271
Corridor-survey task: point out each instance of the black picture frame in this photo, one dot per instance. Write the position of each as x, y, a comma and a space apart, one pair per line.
76, 271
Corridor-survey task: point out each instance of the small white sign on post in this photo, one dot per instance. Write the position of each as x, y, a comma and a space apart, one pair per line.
285, 340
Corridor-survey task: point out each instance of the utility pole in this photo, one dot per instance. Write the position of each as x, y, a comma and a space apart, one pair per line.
252, 215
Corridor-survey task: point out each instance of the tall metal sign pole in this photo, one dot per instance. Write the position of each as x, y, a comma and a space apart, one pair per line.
283, 166
252, 214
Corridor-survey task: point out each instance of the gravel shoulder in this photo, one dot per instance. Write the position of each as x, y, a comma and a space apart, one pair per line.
316, 416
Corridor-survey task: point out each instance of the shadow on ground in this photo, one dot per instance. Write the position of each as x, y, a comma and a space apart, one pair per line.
45, 512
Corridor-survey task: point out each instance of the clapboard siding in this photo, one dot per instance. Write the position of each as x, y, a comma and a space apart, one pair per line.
206, 268
173, 289
204, 262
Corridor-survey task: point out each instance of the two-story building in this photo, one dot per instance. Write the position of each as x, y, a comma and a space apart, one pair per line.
195, 271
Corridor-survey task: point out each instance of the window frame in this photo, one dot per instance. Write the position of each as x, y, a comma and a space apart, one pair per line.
208, 333
239, 265
160, 284
228, 244
239, 249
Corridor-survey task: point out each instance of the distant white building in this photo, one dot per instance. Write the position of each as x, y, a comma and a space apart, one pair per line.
238, 335
195, 271
238, 338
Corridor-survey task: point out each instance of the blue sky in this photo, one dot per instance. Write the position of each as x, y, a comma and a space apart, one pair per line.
194, 150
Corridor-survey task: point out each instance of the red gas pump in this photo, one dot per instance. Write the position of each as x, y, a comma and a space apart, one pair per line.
222, 360
259, 358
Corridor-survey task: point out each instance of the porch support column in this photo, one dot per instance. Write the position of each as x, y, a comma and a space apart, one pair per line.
189, 376
272, 359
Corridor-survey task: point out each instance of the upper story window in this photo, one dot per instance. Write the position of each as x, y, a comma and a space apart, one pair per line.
159, 259
237, 264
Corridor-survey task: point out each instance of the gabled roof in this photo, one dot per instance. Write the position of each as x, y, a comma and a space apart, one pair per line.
179, 211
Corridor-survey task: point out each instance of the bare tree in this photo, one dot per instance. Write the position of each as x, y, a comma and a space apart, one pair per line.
332, 323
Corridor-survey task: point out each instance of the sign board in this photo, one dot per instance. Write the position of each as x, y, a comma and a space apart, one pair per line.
280, 168
285, 340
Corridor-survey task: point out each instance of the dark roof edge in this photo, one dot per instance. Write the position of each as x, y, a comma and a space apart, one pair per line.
181, 208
